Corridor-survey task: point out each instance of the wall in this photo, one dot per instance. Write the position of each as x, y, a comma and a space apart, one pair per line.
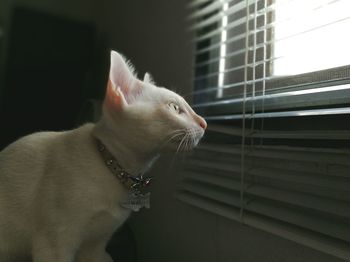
4, 4
4, 8
77, 9
153, 35
82, 10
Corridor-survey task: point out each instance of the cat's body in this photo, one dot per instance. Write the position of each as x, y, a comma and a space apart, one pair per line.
74, 203
58, 199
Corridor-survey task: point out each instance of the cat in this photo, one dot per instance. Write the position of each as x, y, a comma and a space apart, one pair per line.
61, 198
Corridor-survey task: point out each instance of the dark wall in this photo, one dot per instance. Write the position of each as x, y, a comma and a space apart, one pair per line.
153, 35
49, 61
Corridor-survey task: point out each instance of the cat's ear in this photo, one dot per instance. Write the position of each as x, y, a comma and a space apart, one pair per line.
114, 99
123, 86
148, 79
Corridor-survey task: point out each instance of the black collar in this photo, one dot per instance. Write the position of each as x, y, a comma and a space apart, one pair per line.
138, 186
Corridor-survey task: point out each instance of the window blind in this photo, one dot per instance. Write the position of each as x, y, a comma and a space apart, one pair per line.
272, 78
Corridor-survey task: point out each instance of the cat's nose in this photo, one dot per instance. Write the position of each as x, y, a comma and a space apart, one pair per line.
202, 123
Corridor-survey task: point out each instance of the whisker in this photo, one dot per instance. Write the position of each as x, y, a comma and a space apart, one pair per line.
194, 137
189, 140
186, 143
172, 136
181, 143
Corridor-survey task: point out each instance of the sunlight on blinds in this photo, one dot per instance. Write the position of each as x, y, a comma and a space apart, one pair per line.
277, 149
311, 35
222, 52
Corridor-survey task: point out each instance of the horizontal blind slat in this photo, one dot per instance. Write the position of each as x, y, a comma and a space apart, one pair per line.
196, 3
336, 228
230, 11
311, 94
209, 8
333, 247
296, 113
330, 156
282, 134
339, 172
279, 174
339, 208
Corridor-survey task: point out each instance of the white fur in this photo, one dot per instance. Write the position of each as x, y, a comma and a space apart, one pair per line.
58, 200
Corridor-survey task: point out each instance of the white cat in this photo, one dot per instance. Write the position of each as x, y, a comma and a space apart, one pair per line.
62, 194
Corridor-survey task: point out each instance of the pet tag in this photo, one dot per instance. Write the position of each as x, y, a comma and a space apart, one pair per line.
136, 201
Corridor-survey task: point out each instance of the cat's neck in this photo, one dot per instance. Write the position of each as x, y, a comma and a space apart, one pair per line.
132, 152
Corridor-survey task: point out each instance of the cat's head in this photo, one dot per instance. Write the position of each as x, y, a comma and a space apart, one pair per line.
156, 115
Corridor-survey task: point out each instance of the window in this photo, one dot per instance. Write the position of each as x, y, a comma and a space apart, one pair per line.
272, 78
302, 40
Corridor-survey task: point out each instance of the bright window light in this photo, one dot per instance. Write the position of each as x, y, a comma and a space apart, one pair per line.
222, 52
311, 35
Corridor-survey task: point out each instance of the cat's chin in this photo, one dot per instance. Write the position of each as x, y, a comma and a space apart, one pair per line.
180, 146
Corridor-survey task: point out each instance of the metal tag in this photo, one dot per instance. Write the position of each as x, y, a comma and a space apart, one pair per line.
137, 201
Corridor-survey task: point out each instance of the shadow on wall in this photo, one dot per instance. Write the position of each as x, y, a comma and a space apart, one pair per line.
48, 73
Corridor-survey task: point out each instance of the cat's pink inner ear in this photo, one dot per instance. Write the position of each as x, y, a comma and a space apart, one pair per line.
114, 99
121, 76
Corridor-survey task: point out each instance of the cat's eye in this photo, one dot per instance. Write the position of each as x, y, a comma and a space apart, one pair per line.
175, 107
